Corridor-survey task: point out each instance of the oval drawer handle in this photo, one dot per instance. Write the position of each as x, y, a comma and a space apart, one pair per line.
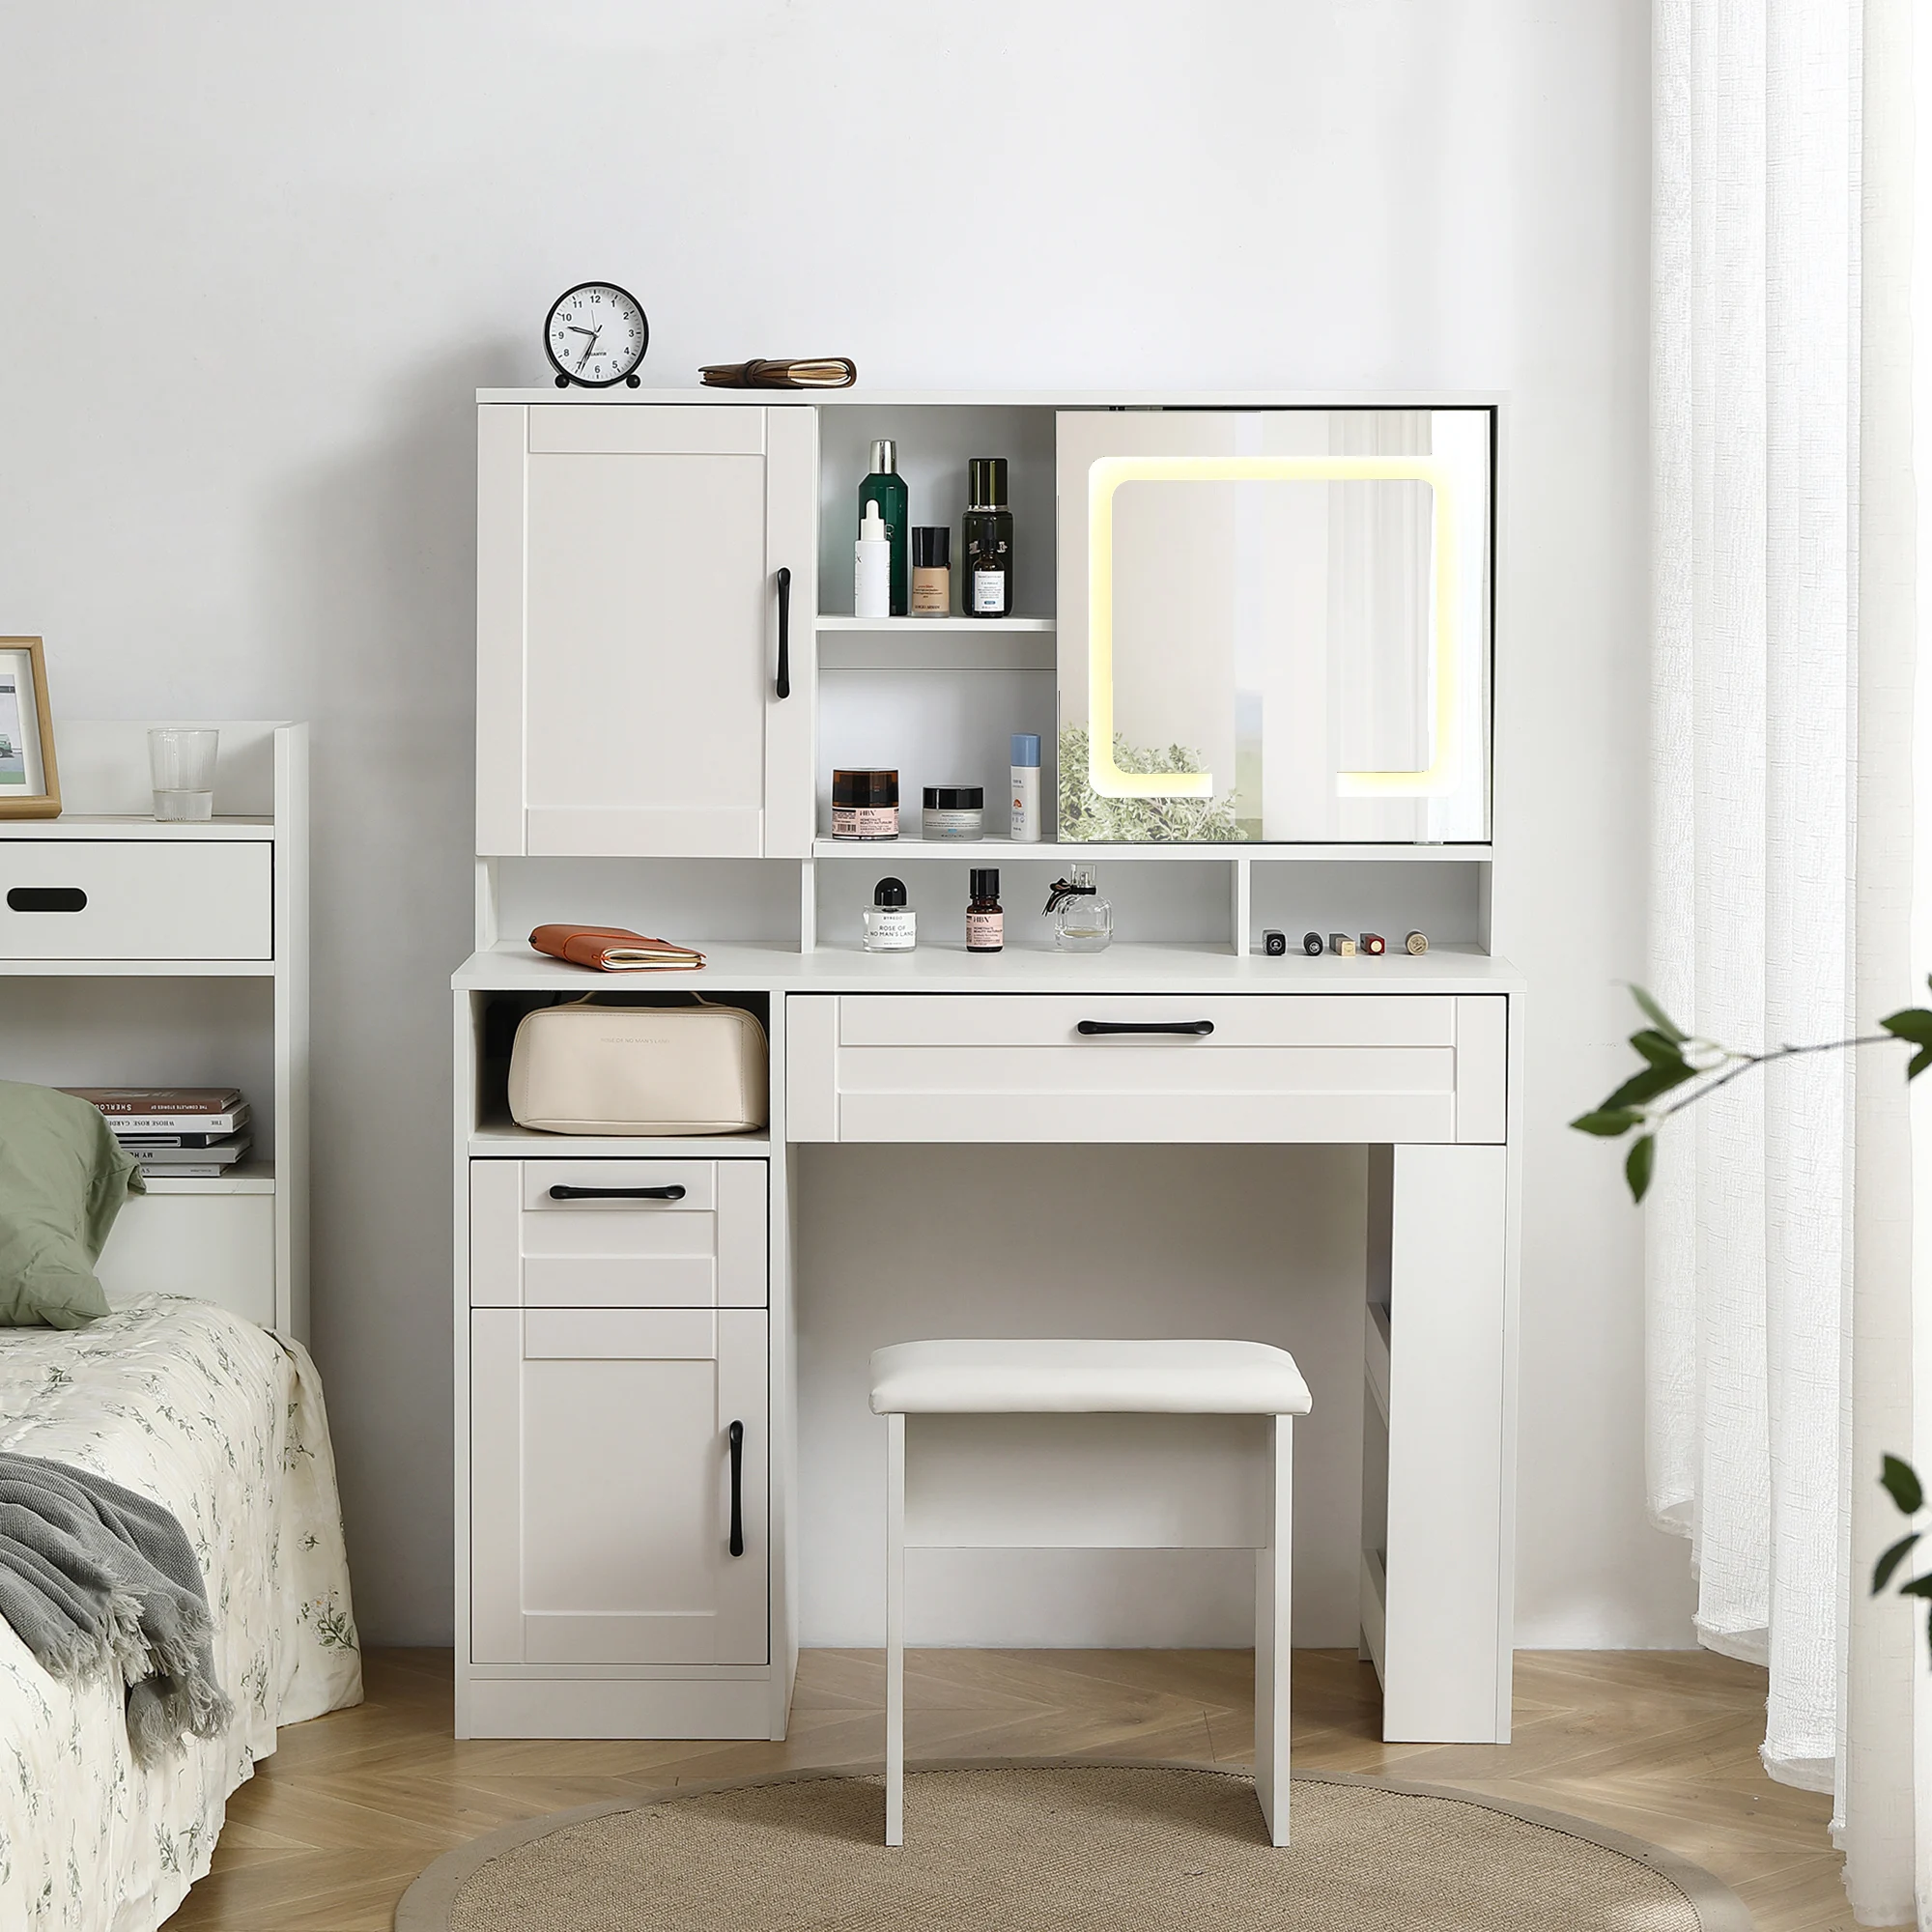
562, 1193
45, 898
1195, 1029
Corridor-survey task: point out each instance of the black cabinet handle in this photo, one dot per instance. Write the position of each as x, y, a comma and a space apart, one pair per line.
1196, 1029
737, 1434
561, 1193
784, 684
45, 898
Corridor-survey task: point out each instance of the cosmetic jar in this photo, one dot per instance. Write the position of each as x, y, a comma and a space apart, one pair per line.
953, 812
864, 804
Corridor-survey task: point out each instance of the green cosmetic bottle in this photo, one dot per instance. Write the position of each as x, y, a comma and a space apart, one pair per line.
885, 487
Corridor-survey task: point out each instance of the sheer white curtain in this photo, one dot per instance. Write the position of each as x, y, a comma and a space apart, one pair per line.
1792, 845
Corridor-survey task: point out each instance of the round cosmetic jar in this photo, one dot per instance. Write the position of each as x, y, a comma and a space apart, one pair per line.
864, 804
953, 812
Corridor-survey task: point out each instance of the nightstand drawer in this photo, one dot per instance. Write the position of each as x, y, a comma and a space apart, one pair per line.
148, 898
617, 1234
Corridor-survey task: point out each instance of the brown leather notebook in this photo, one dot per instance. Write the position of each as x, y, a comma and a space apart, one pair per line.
613, 949
796, 372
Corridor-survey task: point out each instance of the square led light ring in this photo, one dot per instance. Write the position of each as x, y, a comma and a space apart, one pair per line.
1106, 476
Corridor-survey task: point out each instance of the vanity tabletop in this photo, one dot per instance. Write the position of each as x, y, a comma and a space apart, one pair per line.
947, 967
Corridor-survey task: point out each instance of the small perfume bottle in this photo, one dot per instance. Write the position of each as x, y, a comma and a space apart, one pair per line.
986, 917
1083, 921
891, 924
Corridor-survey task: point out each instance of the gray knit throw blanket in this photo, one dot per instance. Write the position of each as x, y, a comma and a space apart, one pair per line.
94, 1577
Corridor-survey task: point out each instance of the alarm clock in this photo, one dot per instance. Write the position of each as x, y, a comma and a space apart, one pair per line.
595, 335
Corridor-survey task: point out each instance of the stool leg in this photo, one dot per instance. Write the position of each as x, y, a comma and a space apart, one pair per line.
894, 1629
1273, 1571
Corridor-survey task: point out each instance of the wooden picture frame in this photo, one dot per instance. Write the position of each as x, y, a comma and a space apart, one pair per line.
29, 776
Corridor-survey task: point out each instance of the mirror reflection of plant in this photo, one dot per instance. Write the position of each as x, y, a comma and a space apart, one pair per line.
1088, 818
1678, 1071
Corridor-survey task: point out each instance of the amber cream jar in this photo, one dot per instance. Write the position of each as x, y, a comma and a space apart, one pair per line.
864, 804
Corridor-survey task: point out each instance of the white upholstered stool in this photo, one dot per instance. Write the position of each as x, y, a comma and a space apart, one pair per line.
1101, 1445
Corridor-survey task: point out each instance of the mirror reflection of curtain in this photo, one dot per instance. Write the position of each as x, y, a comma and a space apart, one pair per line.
1380, 581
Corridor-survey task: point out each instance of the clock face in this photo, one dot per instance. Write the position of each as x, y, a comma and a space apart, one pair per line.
596, 334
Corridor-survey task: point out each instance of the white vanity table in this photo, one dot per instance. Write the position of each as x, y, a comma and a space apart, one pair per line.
636, 765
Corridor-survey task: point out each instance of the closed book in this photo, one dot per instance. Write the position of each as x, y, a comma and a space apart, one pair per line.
173, 1159
613, 949
210, 1126
195, 1169
117, 1103
131, 1139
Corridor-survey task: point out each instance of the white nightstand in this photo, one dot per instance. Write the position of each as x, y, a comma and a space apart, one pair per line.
133, 953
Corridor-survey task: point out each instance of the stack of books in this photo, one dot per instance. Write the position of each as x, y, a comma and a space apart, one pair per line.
193, 1133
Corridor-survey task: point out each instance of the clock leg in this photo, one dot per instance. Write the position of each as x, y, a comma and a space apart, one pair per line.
563, 381
632, 381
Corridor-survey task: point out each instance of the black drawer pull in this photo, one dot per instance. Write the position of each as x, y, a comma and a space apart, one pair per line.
737, 1433
1195, 1029
561, 1193
45, 898
782, 684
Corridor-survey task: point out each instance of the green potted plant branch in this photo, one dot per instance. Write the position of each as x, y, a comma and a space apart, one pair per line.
1678, 1071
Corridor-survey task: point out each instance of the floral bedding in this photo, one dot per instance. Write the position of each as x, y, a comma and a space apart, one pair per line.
222, 1422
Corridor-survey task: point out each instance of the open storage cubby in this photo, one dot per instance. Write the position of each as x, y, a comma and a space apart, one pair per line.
935, 443
492, 1033
178, 1031
1161, 904
1435, 893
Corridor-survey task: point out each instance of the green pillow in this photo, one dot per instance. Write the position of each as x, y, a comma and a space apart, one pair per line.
63, 1178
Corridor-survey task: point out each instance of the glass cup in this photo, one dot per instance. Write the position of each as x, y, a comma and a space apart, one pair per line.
181, 762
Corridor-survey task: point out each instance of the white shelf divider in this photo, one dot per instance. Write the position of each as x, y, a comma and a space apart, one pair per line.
937, 626
1052, 851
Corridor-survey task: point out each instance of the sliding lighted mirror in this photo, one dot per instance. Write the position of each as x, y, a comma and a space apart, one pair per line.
1274, 624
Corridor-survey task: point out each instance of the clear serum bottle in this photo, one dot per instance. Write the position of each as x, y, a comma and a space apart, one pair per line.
986, 917
891, 924
986, 534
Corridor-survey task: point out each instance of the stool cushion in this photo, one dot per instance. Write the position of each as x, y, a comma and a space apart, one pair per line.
1118, 1378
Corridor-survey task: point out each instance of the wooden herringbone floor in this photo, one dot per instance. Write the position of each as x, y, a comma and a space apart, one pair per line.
1660, 1744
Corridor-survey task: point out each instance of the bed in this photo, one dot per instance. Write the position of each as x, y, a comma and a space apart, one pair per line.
223, 1423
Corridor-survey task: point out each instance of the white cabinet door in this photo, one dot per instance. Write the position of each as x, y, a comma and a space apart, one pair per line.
606, 1489
646, 583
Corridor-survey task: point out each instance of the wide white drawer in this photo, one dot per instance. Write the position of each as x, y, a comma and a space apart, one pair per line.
151, 898
617, 1234
1026, 1068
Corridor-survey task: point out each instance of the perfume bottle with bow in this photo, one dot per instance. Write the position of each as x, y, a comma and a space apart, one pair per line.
1083, 921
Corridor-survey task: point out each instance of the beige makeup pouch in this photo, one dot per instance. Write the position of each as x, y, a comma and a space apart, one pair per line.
591, 1068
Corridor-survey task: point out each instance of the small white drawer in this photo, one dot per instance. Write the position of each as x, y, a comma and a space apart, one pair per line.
617, 1234
149, 898
1036, 1068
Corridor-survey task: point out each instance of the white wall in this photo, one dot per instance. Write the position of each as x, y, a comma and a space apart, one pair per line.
257, 259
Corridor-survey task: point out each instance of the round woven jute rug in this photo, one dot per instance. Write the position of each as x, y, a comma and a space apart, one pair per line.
1086, 1847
